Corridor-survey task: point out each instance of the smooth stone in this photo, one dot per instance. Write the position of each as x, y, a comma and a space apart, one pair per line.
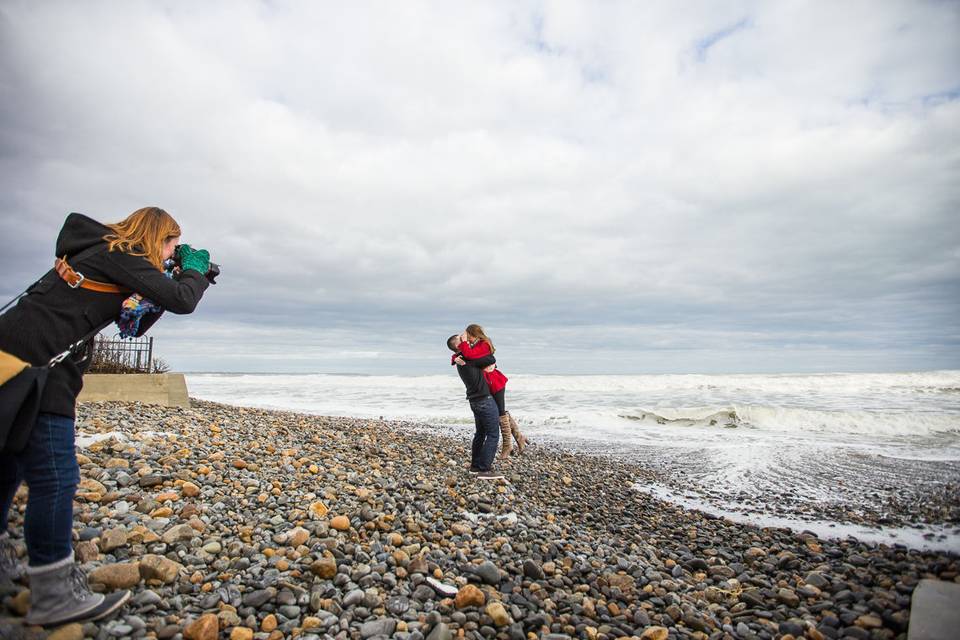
533, 570
794, 629
136, 622
116, 576
257, 599
440, 631
489, 573
147, 597
398, 605
88, 533
67, 632
353, 598
423, 593
817, 580
934, 613
290, 612
380, 627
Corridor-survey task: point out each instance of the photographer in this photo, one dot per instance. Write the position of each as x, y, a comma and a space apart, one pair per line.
103, 274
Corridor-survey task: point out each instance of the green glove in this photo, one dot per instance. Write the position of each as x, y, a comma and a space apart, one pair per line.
196, 259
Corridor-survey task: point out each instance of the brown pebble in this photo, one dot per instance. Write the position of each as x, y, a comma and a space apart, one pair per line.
469, 596
241, 633
116, 576
20, 603
206, 627
269, 623
67, 632
654, 633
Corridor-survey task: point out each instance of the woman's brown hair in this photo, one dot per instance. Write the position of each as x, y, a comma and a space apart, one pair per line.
143, 233
475, 331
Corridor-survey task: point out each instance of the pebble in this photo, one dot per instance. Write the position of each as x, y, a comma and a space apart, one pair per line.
206, 627
469, 596
488, 572
380, 627
67, 632
116, 576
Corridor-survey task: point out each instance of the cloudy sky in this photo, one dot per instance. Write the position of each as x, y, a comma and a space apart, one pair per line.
606, 186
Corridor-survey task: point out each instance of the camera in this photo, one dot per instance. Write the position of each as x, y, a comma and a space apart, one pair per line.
173, 264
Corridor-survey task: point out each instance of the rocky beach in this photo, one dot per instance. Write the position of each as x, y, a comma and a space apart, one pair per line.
239, 523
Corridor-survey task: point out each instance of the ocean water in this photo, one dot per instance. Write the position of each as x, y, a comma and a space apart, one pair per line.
812, 450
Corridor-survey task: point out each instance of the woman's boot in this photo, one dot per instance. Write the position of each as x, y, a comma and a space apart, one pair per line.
59, 594
506, 444
515, 429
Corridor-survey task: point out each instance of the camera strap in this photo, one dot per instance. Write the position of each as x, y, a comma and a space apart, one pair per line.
76, 279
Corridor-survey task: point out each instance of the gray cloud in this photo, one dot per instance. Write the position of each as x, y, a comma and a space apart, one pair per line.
748, 186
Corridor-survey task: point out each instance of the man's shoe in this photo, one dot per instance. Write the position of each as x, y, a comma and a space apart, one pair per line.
473, 469
489, 475
59, 594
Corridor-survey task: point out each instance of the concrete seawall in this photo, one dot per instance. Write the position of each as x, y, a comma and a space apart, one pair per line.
166, 389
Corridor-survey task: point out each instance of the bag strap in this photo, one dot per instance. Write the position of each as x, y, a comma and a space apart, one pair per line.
15, 298
60, 357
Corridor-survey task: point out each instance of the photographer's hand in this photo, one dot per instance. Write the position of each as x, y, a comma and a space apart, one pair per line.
196, 259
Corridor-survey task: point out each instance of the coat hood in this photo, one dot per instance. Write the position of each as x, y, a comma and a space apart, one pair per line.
79, 232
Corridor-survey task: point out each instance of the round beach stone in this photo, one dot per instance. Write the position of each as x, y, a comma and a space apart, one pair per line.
498, 614
67, 632
488, 572
178, 533
380, 627
469, 596
113, 539
206, 627
116, 576
154, 567
654, 633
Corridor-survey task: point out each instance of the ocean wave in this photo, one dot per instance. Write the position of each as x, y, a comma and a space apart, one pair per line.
768, 418
901, 405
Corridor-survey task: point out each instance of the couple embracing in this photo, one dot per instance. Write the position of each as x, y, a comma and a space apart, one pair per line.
486, 389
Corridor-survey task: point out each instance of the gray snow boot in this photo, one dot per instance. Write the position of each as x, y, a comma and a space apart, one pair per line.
59, 594
10, 567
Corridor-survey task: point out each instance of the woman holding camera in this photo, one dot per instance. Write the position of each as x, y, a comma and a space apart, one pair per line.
98, 270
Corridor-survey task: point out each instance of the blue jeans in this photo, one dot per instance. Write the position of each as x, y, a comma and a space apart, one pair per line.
48, 464
486, 417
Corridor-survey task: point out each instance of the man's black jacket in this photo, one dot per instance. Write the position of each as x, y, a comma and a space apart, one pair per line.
472, 376
52, 315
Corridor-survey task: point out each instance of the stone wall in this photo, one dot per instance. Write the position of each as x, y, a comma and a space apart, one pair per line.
166, 389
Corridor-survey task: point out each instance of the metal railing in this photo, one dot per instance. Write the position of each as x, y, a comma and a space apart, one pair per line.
118, 355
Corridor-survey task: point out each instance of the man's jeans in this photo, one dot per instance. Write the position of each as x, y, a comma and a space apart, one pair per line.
487, 434
48, 464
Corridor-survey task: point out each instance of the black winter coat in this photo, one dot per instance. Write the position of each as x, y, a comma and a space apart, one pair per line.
52, 316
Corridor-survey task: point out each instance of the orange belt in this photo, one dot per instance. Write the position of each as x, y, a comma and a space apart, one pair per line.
76, 279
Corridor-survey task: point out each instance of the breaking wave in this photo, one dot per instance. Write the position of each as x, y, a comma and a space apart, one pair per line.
801, 420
